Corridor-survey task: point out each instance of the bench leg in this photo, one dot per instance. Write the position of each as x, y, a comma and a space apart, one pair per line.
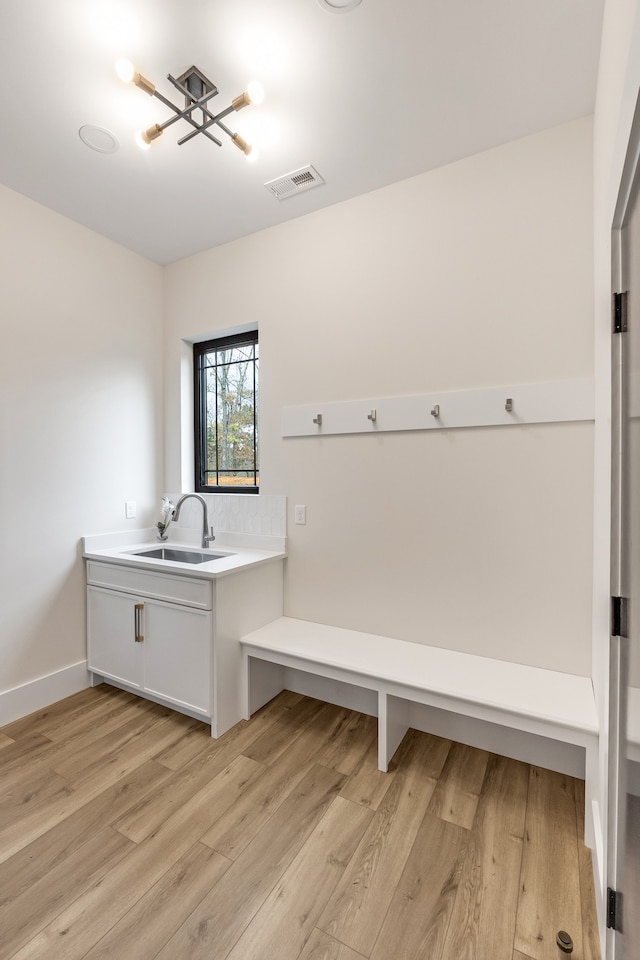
245, 705
393, 723
262, 680
590, 793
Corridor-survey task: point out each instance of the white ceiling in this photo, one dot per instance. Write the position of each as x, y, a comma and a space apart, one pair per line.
386, 91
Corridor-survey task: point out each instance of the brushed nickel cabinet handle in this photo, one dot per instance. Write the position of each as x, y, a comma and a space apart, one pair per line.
137, 610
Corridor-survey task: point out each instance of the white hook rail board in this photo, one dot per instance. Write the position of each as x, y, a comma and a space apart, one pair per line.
547, 402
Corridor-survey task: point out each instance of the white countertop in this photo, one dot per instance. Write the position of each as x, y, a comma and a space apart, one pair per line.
239, 552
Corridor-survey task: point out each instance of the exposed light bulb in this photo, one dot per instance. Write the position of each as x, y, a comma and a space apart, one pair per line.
253, 155
241, 144
145, 138
256, 92
144, 84
125, 70
141, 142
151, 133
253, 94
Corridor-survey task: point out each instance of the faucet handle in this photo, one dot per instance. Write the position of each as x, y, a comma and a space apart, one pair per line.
210, 536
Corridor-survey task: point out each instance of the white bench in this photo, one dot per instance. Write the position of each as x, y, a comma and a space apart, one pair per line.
544, 703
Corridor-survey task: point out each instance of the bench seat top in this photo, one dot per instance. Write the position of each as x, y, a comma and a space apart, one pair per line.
561, 699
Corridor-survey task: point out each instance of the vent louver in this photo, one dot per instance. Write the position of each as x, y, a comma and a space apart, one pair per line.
296, 182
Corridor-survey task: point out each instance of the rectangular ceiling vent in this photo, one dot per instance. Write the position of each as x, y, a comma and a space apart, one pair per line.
297, 182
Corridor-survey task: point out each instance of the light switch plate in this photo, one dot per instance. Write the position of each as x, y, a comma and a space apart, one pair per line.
129, 509
300, 513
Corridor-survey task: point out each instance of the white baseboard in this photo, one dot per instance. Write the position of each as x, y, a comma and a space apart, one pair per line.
39, 693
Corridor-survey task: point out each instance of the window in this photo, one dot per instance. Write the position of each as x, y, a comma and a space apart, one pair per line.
226, 414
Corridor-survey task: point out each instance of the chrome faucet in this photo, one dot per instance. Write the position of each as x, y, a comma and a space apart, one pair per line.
206, 537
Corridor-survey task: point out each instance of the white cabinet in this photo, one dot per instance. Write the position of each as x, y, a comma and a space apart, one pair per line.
175, 639
177, 662
162, 649
111, 642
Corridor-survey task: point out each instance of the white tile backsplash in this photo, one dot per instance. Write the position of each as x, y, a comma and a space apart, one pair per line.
257, 515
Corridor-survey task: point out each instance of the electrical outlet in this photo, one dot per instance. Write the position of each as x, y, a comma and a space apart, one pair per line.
129, 509
300, 513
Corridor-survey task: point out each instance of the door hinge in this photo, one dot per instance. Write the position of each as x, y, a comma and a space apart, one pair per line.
614, 910
619, 616
619, 311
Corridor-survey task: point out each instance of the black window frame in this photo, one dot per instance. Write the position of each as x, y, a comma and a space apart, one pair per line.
200, 350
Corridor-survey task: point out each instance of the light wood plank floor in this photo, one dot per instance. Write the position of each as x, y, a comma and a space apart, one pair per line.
127, 832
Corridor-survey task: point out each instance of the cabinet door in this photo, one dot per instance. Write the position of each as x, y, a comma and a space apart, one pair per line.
177, 642
112, 650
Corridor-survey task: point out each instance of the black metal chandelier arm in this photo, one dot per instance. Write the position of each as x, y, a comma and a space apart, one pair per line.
185, 114
195, 132
197, 102
197, 90
203, 128
211, 92
237, 104
228, 132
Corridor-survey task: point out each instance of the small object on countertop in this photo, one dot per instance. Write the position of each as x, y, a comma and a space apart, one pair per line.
166, 515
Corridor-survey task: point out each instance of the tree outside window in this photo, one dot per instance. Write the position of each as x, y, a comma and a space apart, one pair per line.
226, 408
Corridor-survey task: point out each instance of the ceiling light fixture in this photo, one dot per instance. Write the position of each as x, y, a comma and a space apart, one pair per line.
339, 6
98, 138
197, 90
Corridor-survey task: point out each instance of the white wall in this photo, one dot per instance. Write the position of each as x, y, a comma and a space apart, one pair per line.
476, 274
80, 424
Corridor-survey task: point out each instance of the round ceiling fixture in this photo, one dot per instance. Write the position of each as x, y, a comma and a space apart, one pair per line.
98, 138
339, 6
